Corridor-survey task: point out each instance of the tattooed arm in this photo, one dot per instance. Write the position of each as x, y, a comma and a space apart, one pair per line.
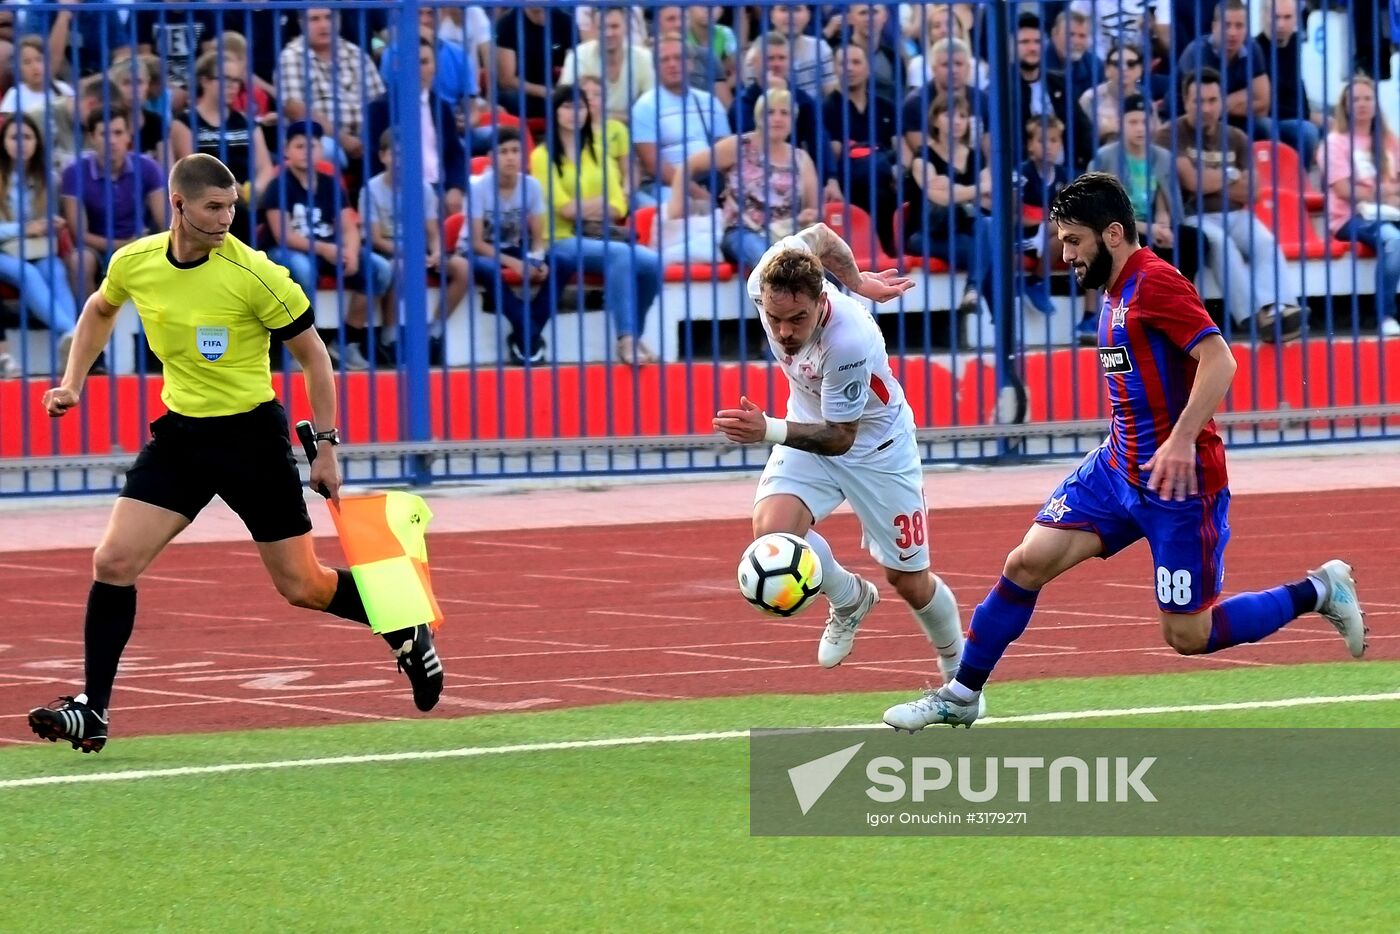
836, 258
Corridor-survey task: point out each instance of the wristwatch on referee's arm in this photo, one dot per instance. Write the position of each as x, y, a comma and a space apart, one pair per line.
331, 435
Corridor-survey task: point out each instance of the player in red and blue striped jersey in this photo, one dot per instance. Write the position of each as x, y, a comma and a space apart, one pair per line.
1160, 475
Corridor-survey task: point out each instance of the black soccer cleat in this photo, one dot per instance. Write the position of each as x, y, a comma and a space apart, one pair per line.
418, 658
71, 719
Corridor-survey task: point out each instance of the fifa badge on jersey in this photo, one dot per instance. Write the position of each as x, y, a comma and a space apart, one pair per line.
1120, 313
213, 342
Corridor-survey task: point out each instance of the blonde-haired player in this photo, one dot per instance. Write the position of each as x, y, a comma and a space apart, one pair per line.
848, 435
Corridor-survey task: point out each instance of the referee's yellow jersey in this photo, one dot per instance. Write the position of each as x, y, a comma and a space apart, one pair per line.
209, 321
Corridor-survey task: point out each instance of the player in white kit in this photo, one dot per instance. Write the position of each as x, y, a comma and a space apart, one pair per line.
848, 435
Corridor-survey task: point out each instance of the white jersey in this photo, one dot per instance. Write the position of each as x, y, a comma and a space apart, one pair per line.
842, 374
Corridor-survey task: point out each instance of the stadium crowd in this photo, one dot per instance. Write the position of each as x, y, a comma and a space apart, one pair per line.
610, 144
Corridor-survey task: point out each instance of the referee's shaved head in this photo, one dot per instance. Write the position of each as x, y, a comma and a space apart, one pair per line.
193, 174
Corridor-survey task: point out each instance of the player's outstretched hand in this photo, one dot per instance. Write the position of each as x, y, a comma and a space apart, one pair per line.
744, 425
58, 401
883, 286
1172, 470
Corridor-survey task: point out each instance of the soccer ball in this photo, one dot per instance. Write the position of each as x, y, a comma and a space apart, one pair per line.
780, 574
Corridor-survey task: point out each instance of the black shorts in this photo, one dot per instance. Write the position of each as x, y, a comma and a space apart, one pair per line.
246, 460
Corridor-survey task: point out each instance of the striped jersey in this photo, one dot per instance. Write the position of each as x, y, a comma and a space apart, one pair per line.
1148, 324
842, 373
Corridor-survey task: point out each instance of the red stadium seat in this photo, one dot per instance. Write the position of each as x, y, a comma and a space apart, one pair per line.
1283, 212
854, 226
644, 222
452, 230
500, 118
480, 164
1280, 167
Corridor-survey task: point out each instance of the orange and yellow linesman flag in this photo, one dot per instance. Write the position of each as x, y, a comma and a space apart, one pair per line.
384, 537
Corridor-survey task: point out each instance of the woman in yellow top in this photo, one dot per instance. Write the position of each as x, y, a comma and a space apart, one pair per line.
587, 209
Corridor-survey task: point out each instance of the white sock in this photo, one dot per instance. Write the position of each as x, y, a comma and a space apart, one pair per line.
1321, 587
942, 623
841, 587
964, 694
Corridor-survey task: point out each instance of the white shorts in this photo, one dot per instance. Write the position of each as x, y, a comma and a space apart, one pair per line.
885, 490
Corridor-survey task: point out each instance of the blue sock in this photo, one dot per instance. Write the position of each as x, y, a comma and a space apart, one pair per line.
997, 622
1249, 617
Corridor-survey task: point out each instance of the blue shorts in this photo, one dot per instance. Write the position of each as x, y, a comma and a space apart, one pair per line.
1187, 538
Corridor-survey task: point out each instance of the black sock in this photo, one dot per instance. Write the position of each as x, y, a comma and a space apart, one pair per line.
346, 603
111, 615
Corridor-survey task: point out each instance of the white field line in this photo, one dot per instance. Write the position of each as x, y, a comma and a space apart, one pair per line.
476, 751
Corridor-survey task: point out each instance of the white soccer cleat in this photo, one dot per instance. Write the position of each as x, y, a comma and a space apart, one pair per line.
936, 707
1340, 606
840, 635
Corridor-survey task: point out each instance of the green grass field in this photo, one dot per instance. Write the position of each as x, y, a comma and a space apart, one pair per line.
645, 837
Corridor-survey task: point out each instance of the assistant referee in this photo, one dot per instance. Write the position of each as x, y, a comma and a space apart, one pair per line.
209, 303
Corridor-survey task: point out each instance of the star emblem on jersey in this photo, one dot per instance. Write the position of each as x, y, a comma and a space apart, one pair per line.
1120, 313
1056, 508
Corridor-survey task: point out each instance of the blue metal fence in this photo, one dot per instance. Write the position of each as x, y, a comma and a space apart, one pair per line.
591, 184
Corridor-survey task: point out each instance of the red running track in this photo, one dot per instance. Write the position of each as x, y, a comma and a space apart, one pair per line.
578, 616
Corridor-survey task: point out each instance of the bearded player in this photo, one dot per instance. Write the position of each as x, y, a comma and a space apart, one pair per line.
1159, 476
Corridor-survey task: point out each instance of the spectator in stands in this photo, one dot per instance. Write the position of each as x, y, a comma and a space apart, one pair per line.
111, 195
862, 131
813, 71
50, 101
1134, 24
948, 222
1213, 164
588, 20
328, 81
587, 206
378, 213
153, 127
617, 139
455, 76
92, 40
622, 64
702, 70
316, 233
1104, 104
174, 40
504, 235
444, 158
222, 132
253, 99
531, 43
1069, 53
950, 72
1043, 92
29, 235
863, 25
1149, 175
942, 23
771, 66
1282, 53
705, 31
1362, 173
771, 186
689, 230
1245, 75
1042, 176
671, 122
